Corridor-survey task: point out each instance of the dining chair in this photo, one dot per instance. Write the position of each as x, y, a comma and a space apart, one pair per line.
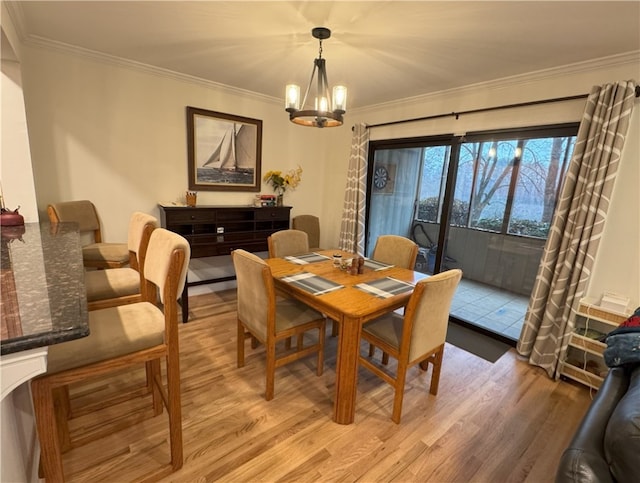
121, 337
268, 320
396, 250
418, 337
310, 224
119, 286
97, 254
287, 242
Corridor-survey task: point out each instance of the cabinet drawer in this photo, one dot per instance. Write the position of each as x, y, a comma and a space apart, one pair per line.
272, 214
190, 216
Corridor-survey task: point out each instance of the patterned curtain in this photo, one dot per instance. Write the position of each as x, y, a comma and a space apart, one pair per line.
352, 228
577, 226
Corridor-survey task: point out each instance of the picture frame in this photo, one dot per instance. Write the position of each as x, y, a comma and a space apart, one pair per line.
224, 151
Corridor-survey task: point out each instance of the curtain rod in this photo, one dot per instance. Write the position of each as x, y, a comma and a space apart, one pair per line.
487, 109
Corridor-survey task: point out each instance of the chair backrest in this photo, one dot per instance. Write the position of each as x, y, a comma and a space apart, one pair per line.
309, 224
256, 292
396, 250
166, 265
141, 225
82, 212
288, 242
427, 313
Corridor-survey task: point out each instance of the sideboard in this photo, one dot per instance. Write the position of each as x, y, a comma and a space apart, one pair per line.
218, 230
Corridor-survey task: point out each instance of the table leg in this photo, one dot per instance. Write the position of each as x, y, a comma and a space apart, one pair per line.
347, 371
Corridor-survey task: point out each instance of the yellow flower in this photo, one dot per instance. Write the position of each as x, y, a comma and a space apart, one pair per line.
280, 183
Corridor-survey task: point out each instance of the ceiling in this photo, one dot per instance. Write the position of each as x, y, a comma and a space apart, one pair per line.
381, 50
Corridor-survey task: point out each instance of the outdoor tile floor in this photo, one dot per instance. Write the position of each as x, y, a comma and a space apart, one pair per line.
489, 307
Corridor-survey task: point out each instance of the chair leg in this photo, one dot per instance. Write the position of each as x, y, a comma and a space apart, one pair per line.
334, 328
254, 342
385, 358
240, 345
174, 409
372, 349
437, 366
271, 369
300, 342
399, 392
321, 336
50, 457
287, 343
154, 372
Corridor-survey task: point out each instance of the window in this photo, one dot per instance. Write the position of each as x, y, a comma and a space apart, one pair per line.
506, 182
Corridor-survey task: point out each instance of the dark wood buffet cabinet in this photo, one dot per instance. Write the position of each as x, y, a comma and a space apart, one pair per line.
218, 230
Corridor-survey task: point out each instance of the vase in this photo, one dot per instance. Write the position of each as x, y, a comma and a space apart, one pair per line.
280, 200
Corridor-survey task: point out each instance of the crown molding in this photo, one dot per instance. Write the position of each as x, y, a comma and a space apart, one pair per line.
626, 58
54, 45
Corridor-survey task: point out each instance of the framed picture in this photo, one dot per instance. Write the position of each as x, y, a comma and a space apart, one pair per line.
224, 151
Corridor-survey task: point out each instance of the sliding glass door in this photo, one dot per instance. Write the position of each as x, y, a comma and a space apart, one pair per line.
483, 203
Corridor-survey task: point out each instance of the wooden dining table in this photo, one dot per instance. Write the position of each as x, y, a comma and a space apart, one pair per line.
350, 306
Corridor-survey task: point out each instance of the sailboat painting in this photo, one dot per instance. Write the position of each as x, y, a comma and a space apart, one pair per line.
224, 151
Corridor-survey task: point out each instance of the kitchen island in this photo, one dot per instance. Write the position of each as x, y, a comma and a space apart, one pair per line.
43, 302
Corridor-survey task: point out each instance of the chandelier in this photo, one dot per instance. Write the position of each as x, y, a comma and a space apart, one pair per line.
328, 110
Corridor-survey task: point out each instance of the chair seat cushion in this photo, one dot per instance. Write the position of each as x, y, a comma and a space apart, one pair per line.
113, 252
388, 328
291, 313
112, 283
113, 332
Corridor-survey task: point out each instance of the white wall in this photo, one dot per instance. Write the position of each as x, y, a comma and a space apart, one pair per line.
16, 174
115, 134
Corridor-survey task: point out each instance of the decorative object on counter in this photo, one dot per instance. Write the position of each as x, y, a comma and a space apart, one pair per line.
281, 182
337, 260
8, 217
328, 110
11, 218
191, 197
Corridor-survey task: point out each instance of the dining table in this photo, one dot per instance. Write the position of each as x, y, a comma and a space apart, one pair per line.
349, 299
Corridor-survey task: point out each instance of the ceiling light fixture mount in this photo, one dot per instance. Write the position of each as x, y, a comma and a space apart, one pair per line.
328, 110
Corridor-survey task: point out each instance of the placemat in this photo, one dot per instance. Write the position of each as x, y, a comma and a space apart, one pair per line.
312, 283
385, 287
372, 264
306, 258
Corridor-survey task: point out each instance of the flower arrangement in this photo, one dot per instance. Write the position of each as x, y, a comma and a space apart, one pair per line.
280, 182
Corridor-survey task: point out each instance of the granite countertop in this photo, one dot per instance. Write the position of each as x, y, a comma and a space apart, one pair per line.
42, 289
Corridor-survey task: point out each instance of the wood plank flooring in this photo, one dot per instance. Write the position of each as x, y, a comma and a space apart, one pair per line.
502, 422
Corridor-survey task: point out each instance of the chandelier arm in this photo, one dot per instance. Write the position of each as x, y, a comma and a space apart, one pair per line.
306, 94
325, 87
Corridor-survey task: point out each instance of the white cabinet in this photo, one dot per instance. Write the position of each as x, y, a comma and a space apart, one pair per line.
584, 361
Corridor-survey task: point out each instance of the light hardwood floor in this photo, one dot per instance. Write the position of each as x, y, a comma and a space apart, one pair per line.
502, 422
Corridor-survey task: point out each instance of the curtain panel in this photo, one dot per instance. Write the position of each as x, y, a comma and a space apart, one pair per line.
577, 226
353, 214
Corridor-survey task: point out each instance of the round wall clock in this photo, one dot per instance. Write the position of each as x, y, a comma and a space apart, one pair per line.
380, 177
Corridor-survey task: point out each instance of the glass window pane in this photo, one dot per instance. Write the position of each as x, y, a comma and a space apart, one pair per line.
491, 186
435, 159
542, 167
